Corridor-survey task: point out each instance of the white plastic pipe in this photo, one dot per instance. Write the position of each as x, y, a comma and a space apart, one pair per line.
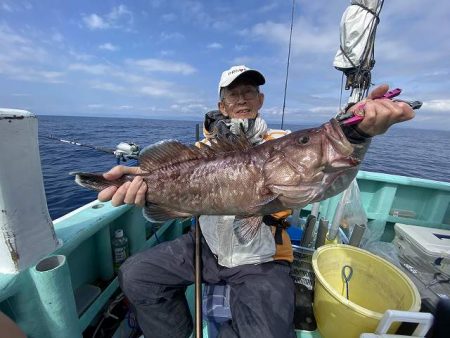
26, 232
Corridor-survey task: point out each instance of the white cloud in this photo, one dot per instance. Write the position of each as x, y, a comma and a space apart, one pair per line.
80, 56
14, 6
7, 8
437, 105
307, 38
156, 65
157, 91
57, 37
108, 86
31, 75
190, 108
118, 18
17, 48
128, 79
93, 21
171, 36
268, 7
95, 106
20, 94
108, 46
169, 17
97, 69
23, 59
243, 60
125, 107
167, 53
215, 45
240, 48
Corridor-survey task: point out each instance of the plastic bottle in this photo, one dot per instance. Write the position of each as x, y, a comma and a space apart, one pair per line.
120, 249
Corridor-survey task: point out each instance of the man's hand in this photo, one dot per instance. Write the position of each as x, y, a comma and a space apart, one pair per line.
380, 114
128, 193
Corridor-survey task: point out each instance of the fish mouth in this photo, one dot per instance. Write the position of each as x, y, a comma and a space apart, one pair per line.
341, 164
339, 156
337, 138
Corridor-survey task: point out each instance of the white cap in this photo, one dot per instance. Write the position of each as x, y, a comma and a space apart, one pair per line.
118, 233
234, 72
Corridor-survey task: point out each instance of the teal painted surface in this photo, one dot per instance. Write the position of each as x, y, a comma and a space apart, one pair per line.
8, 285
88, 316
52, 280
104, 253
308, 334
427, 202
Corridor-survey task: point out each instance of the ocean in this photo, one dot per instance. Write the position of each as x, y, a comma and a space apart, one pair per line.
401, 151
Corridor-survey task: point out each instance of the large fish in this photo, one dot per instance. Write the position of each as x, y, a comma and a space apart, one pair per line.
234, 178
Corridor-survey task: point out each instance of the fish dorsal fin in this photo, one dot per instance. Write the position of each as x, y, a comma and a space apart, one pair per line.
166, 153
159, 214
222, 144
170, 152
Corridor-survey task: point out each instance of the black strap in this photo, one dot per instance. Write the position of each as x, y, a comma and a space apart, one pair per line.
279, 225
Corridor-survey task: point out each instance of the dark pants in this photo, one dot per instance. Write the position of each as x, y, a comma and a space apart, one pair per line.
261, 296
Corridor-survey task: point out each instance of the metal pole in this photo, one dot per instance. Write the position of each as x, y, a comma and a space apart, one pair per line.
197, 132
198, 267
198, 281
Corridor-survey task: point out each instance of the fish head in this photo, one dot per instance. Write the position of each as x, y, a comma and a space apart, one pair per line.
320, 151
310, 165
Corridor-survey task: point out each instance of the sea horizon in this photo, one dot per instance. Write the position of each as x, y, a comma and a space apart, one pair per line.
271, 122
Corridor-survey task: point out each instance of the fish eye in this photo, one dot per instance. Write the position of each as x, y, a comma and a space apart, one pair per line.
304, 140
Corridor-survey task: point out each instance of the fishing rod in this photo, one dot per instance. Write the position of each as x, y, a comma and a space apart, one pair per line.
124, 150
287, 65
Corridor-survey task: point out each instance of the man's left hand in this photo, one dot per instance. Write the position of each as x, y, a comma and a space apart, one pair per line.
380, 114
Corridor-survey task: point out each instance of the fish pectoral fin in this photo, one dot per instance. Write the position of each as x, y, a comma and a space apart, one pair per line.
266, 199
159, 214
245, 229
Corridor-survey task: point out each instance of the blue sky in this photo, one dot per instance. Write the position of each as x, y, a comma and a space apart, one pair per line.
163, 59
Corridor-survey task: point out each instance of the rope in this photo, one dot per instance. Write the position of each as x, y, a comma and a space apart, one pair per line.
287, 65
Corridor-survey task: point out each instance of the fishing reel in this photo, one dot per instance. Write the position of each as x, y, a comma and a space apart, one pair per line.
127, 150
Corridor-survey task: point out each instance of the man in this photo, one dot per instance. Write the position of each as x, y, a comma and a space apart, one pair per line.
261, 289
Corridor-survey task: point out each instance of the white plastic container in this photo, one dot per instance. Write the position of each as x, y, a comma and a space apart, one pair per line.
423, 319
26, 230
431, 244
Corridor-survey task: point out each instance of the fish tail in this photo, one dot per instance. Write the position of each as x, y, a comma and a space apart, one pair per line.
96, 181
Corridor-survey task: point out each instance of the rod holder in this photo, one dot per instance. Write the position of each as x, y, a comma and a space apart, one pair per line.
52, 280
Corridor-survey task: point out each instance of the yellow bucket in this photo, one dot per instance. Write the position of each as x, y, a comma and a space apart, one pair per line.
374, 287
